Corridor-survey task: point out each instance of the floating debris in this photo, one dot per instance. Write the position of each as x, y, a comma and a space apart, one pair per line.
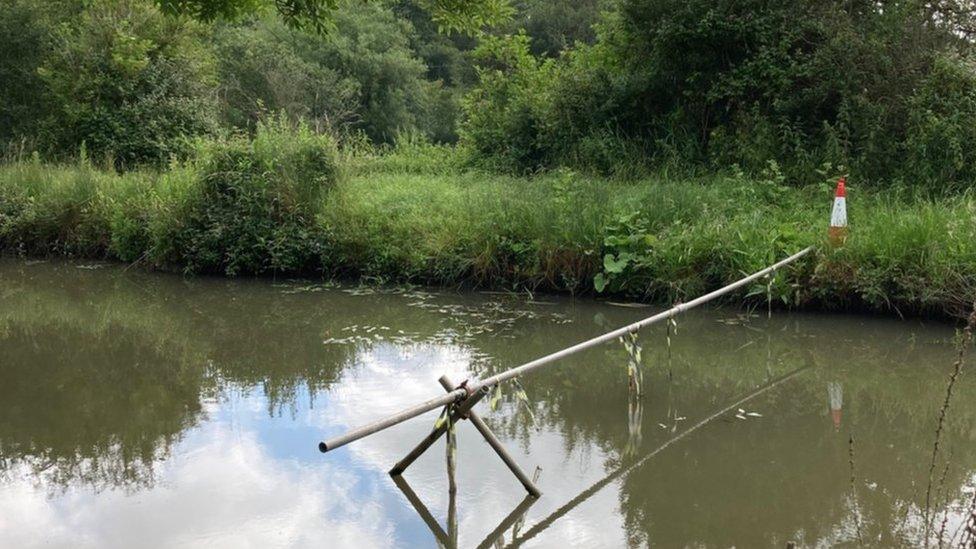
296, 288
363, 290
628, 305
742, 414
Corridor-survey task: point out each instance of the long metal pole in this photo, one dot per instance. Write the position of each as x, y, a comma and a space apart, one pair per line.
459, 394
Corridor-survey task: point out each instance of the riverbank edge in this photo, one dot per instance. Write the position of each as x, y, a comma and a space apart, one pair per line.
655, 241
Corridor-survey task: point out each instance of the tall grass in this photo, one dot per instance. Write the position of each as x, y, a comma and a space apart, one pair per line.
415, 213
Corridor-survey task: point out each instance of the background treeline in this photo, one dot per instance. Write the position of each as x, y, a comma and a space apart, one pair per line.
884, 90
127, 82
122, 81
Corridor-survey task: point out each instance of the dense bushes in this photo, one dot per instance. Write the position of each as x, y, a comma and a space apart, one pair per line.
260, 73
854, 85
361, 76
127, 83
941, 140
26, 30
505, 114
884, 91
253, 209
240, 206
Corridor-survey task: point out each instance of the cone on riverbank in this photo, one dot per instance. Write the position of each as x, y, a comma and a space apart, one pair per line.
838, 216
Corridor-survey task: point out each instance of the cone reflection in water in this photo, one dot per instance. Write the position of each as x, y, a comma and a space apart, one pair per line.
838, 216
835, 394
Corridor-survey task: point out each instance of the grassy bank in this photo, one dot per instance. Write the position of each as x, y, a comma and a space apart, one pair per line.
295, 206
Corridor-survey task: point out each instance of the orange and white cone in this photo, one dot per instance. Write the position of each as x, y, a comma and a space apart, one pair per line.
838, 217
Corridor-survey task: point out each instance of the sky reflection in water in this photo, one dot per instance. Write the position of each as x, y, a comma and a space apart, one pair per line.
149, 410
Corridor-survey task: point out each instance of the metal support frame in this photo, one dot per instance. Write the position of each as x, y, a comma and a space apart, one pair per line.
464, 410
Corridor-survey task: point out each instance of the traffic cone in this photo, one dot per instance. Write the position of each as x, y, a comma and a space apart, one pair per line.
838, 217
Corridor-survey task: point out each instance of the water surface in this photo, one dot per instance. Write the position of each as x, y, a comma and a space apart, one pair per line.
145, 410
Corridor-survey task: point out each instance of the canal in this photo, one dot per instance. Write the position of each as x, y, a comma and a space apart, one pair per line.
144, 410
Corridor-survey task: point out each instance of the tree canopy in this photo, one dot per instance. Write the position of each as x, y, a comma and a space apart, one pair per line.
468, 16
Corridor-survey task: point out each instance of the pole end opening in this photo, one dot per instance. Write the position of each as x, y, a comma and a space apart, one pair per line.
323, 447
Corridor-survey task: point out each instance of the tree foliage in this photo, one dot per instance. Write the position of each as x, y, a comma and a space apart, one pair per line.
127, 82
27, 30
850, 85
362, 76
883, 90
466, 16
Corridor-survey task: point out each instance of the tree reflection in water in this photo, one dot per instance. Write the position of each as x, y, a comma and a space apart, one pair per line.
103, 372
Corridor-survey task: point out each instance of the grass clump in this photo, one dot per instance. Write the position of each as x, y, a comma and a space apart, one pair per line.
60, 209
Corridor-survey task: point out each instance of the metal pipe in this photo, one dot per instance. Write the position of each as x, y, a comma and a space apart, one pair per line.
399, 417
458, 394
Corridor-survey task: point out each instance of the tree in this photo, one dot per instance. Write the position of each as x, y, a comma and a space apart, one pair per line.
886, 90
361, 76
467, 16
26, 36
128, 83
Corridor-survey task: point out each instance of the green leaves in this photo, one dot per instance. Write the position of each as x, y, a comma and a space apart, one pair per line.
467, 16
600, 282
464, 16
521, 398
628, 243
132, 84
616, 264
496, 397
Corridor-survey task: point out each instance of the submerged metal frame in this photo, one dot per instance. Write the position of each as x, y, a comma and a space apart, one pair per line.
460, 410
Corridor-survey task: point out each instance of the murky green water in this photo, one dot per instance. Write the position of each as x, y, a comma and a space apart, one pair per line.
149, 410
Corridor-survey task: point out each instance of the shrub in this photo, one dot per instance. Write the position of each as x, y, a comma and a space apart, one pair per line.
128, 83
252, 206
504, 116
942, 126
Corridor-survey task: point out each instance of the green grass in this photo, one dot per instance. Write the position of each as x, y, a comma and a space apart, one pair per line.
391, 217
